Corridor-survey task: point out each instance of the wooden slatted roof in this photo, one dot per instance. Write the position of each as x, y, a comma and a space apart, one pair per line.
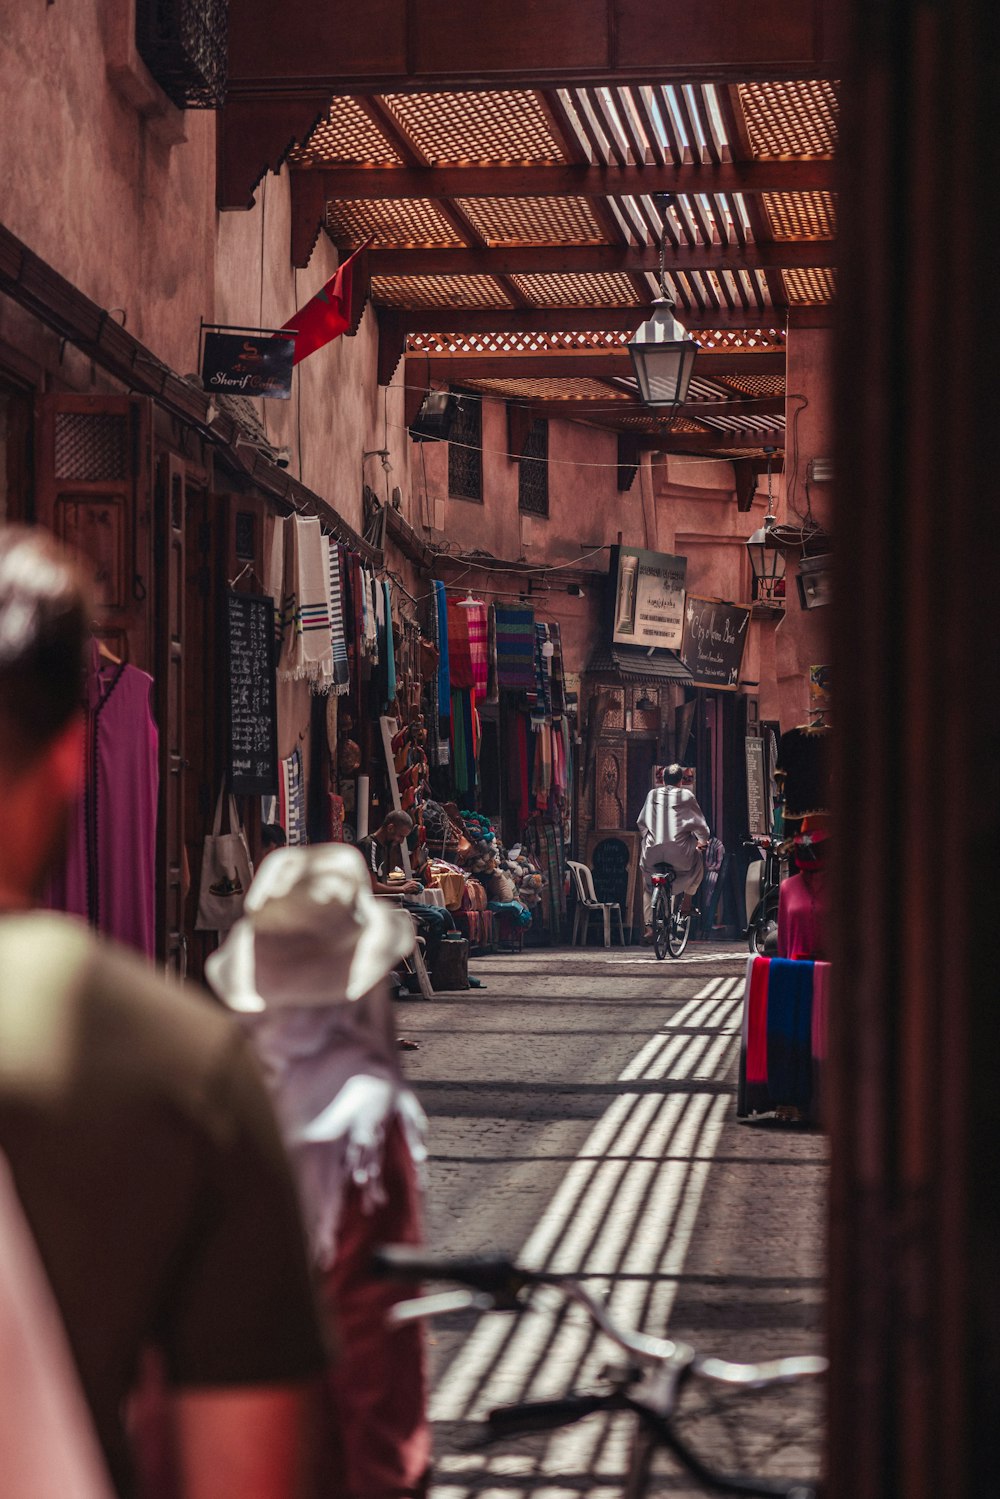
514, 238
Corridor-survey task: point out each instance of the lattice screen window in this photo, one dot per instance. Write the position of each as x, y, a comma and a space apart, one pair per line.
465, 450
92, 448
533, 475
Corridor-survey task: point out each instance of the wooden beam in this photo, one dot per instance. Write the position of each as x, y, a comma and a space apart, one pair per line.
255, 135
566, 180
391, 343
480, 320
557, 260
389, 45
591, 408
712, 442
598, 365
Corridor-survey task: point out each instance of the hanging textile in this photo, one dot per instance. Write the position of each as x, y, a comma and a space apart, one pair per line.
109, 873
274, 579
292, 800
461, 748
357, 601
307, 642
390, 651
371, 623
783, 1036
492, 675
459, 655
338, 636
543, 694
475, 618
515, 637
444, 665
557, 670
542, 784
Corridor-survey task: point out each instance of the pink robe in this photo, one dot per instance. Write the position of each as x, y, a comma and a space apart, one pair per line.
802, 916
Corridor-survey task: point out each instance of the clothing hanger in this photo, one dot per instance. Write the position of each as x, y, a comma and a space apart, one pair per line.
107, 655
470, 601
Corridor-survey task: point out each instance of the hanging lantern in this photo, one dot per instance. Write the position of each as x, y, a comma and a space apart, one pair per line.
766, 558
662, 351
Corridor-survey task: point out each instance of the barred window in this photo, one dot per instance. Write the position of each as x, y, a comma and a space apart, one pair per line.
465, 450
533, 475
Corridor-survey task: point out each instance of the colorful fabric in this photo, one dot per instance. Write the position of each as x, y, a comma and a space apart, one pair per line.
274, 579
459, 653
475, 619
292, 800
789, 1032
515, 637
444, 663
756, 1009
543, 691
784, 1036
307, 642
338, 637
557, 673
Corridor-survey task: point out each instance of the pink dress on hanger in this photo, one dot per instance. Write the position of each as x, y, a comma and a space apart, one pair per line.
109, 874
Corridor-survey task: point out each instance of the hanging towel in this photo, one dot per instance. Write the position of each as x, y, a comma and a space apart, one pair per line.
444, 663
292, 800
341, 669
274, 581
475, 616
789, 1033
389, 647
492, 676
543, 694
459, 655
371, 622
307, 646
557, 673
515, 648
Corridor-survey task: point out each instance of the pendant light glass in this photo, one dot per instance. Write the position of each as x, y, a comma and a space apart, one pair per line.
662, 351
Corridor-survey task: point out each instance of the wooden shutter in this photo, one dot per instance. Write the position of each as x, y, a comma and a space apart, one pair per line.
92, 489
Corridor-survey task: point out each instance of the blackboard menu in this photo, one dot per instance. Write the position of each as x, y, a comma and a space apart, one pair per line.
715, 637
756, 794
253, 711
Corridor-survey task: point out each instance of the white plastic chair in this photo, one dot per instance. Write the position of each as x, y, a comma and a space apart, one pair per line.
588, 905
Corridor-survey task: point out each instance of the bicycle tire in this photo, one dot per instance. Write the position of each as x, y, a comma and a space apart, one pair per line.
678, 932
661, 923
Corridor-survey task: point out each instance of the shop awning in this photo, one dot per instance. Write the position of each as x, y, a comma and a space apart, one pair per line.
636, 664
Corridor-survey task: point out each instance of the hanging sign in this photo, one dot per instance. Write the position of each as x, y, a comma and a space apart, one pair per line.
649, 598
253, 709
715, 637
757, 818
254, 363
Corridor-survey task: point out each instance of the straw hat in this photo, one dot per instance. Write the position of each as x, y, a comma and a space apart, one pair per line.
312, 933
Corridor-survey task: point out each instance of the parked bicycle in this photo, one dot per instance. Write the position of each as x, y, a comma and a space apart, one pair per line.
671, 925
664, 1385
762, 927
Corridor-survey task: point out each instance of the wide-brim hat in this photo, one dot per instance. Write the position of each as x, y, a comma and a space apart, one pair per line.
312, 933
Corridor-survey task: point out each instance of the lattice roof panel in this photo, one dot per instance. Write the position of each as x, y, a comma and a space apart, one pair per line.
579, 290
534, 221
746, 339
438, 291
505, 342
737, 419
458, 128
791, 119
542, 388
346, 137
801, 215
810, 287
755, 385
398, 222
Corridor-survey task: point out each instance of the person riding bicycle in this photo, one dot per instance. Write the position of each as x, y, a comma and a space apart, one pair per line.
674, 832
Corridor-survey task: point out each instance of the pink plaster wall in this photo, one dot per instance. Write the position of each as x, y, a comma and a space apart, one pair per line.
89, 182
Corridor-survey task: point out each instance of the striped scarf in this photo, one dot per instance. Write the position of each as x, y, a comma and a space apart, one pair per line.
341, 668
307, 646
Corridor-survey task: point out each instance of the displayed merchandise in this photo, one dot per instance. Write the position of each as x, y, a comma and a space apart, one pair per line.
226, 871
109, 873
784, 1038
515, 647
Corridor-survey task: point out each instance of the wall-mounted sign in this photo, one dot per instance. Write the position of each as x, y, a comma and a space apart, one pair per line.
649, 598
715, 637
255, 363
758, 819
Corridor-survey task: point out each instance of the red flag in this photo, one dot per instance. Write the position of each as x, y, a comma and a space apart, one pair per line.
328, 314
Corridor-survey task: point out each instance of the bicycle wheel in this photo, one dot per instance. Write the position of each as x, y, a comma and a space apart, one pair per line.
661, 922
678, 932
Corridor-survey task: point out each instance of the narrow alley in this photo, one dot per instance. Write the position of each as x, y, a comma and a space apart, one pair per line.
583, 1118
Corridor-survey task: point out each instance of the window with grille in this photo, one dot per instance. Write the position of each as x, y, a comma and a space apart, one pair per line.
465, 451
185, 45
533, 476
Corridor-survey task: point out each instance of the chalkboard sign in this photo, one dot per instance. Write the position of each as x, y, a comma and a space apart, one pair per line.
253, 711
715, 637
756, 798
613, 856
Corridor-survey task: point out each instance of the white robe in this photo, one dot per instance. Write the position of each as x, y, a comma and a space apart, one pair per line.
672, 825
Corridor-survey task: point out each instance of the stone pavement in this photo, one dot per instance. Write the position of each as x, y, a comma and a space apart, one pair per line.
582, 1113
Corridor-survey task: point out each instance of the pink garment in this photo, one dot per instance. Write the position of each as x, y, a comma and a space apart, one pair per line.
109, 876
478, 653
802, 916
821, 1010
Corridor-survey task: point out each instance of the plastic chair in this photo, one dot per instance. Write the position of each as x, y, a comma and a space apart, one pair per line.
588, 905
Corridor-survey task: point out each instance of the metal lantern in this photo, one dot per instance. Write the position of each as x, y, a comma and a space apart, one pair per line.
766, 558
662, 352
663, 357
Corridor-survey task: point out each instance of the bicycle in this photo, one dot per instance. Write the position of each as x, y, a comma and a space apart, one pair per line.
671, 926
652, 1387
762, 928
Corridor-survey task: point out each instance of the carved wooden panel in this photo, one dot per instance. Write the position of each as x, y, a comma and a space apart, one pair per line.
610, 787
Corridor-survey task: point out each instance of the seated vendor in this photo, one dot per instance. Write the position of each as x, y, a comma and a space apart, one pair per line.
380, 851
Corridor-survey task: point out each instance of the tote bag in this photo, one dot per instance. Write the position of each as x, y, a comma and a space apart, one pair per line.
226, 872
